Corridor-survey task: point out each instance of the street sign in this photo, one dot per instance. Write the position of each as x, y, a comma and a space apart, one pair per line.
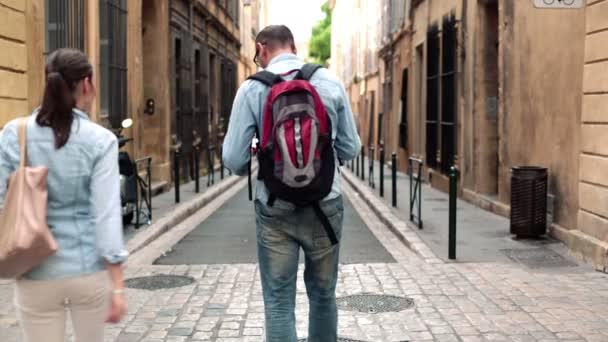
560, 4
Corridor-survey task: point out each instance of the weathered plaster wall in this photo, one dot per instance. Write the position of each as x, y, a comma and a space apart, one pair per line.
542, 55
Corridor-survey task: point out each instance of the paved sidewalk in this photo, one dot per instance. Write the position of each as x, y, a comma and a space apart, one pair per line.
482, 236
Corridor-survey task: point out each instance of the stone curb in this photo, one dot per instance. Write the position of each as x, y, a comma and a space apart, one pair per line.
402, 229
180, 214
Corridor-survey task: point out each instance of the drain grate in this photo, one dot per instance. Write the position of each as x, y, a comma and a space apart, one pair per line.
538, 258
371, 303
158, 282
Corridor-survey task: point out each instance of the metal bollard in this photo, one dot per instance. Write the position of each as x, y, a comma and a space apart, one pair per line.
372, 155
415, 190
357, 164
176, 161
394, 178
197, 169
382, 156
211, 165
452, 219
362, 163
221, 167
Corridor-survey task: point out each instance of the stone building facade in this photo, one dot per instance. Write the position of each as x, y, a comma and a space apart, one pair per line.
481, 85
20, 61
590, 235
182, 55
356, 32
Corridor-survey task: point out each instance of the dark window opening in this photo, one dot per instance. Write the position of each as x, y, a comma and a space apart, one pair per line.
448, 93
372, 119
198, 77
212, 88
432, 99
380, 128
177, 58
442, 106
64, 25
204, 94
403, 123
113, 60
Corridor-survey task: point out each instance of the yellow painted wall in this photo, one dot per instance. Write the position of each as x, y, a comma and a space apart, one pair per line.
13, 61
593, 186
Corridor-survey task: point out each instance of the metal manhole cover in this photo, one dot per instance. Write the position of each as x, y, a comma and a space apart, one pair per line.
538, 258
159, 281
371, 303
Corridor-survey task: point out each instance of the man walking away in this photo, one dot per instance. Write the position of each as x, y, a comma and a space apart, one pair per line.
306, 126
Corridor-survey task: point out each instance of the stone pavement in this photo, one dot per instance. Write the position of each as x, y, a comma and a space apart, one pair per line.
481, 235
491, 301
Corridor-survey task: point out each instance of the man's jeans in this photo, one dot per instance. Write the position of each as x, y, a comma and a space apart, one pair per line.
281, 231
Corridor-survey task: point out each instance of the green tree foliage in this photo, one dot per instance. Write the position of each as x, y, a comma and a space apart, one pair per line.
319, 48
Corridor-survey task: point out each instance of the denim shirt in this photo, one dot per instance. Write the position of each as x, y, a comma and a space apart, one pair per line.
84, 212
248, 109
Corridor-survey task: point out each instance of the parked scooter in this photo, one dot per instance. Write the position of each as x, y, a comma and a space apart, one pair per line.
128, 177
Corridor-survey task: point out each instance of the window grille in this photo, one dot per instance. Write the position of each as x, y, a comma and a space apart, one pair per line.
64, 25
113, 60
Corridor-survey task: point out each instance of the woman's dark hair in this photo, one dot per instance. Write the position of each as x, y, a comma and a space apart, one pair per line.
64, 69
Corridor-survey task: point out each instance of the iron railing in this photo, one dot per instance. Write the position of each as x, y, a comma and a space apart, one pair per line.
415, 175
144, 192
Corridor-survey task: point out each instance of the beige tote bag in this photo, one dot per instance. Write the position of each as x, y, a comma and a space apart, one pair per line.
25, 238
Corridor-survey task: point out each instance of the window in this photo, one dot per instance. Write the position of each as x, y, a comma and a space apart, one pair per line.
448, 93
212, 89
372, 105
64, 24
432, 97
442, 58
113, 60
198, 79
380, 139
403, 121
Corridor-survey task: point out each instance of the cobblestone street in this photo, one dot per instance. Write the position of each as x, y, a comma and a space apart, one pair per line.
452, 302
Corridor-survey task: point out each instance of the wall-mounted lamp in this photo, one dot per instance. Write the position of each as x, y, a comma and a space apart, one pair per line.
149, 107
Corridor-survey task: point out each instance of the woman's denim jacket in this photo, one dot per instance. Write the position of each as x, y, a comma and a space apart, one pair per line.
84, 208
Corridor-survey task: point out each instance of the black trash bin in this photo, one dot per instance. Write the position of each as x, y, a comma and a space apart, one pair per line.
529, 201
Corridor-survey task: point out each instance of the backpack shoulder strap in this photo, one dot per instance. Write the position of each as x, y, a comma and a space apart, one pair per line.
331, 234
266, 77
307, 71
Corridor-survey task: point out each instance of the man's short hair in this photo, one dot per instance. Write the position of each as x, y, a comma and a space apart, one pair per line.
276, 36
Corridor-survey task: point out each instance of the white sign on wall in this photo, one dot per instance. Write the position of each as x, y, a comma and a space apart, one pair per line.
562, 4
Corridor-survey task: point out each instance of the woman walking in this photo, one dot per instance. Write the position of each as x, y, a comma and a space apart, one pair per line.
84, 278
